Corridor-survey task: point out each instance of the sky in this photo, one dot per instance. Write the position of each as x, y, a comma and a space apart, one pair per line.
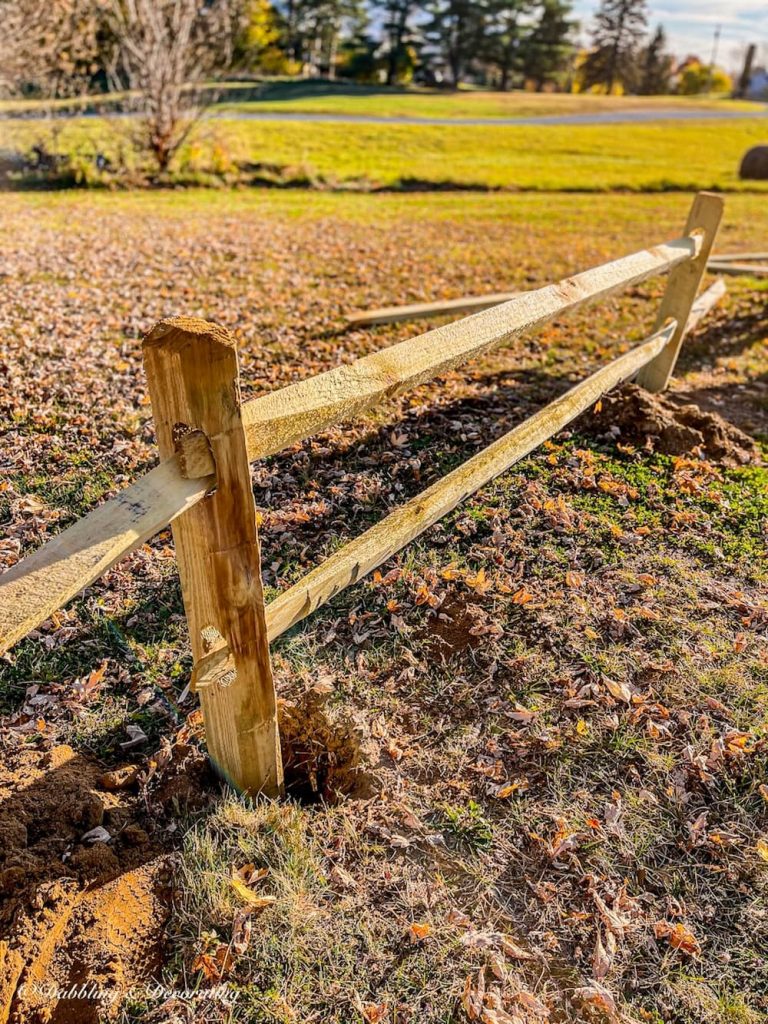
690, 26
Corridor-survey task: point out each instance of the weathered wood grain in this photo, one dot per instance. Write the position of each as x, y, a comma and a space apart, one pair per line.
284, 417
192, 371
356, 559
682, 285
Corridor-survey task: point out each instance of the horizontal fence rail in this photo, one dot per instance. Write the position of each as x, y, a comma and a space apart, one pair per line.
419, 310
282, 418
738, 265
364, 554
368, 551
51, 576
33, 589
45, 580
203, 487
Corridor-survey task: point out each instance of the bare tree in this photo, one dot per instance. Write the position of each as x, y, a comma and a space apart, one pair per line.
51, 47
164, 51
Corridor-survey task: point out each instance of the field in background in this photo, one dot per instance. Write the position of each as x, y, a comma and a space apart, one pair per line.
340, 98
329, 99
559, 692
665, 155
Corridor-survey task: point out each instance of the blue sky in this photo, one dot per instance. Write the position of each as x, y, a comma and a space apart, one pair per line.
690, 25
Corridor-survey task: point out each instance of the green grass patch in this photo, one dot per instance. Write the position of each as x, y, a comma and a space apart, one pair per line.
660, 156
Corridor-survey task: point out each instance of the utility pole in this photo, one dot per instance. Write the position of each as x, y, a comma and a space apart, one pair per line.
715, 44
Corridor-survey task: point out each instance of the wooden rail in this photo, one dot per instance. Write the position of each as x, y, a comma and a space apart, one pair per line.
734, 269
208, 437
284, 417
362, 555
421, 310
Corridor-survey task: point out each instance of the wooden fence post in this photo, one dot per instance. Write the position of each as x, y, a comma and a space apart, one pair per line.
682, 287
192, 370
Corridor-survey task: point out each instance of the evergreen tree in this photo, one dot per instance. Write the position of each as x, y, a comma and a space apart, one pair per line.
548, 48
457, 31
503, 35
619, 28
314, 29
399, 35
656, 66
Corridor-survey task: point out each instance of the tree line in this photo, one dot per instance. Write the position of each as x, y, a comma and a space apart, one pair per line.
61, 47
162, 55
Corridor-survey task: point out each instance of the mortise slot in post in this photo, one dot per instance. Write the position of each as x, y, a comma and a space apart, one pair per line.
193, 450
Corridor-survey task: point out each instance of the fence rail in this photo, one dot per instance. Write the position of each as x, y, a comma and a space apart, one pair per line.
203, 489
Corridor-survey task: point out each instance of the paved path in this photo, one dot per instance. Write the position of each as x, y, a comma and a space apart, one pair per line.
598, 117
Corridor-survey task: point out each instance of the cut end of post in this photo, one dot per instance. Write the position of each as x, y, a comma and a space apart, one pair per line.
178, 329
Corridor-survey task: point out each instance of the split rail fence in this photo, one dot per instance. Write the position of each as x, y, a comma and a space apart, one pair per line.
207, 437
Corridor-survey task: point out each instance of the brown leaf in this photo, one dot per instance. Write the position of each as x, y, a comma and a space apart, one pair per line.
595, 995
375, 1012
678, 936
602, 958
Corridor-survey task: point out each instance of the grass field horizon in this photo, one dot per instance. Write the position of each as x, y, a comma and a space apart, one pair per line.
339, 97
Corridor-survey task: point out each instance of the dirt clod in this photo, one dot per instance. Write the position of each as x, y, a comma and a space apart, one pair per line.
134, 835
633, 415
120, 778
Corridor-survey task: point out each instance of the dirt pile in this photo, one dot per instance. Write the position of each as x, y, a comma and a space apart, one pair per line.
635, 416
78, 912
327, 752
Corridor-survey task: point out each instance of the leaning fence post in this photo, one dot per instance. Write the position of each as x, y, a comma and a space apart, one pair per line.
192, 370
682, 287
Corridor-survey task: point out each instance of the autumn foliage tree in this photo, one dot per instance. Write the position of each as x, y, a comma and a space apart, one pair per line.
50, 47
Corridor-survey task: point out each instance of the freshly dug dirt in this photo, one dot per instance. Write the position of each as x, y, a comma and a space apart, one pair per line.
633, 415
450, 628
76, 912
327, 752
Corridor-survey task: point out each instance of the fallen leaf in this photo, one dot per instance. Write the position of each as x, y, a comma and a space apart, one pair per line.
678, 936
375, 1012
96, 835
250, 897
418, 931
618, 690
598, 996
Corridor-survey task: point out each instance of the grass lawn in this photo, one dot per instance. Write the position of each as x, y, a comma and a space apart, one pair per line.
556, 700
646, 157
346, 98
361, 101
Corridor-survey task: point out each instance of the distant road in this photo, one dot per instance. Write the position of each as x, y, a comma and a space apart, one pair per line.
596, 117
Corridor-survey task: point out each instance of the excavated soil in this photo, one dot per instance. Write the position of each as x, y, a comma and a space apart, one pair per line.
81, 921
328, 753
633, 415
